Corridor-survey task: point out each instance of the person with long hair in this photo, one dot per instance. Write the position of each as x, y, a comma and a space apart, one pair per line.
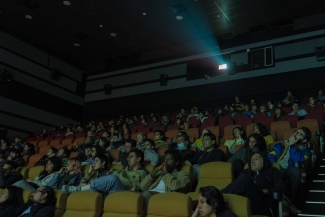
212, 204
50, 153
51, 168
239, 139
261, 129
10, 200
68, 175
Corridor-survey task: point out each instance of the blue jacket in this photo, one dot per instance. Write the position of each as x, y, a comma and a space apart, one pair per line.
297, 154
54, 183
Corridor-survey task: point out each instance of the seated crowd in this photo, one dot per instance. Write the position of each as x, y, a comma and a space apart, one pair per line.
257, 182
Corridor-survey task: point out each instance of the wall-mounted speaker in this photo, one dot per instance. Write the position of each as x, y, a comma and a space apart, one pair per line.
320, 53
108, 89
163, 79
55, 74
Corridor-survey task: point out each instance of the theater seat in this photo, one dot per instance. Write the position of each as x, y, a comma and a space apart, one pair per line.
23, 171
26, 195
238, 204
61, 200
115, 204
170, 204
35, 171
218, 174
84, 204
114, 154
33, 159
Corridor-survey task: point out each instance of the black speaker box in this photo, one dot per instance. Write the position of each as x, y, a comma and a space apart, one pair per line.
163, 79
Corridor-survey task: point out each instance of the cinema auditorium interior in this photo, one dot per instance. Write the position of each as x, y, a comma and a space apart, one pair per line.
162, 108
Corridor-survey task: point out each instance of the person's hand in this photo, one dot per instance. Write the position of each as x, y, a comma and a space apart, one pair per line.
196, 212
62, 170
293, 140
29, 180
174, 140
188, 162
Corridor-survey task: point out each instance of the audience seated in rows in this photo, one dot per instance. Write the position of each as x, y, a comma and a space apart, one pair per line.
123, 158
8, 176
159, 136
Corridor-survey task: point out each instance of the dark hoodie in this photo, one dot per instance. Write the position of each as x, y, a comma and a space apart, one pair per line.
250, 184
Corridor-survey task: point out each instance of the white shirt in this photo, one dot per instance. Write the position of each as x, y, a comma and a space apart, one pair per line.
160, 187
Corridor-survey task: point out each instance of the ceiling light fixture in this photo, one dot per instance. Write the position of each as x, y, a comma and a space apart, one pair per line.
113, 34
76, 44
144, 14
67, 3
101, 26
179, 17
27, 16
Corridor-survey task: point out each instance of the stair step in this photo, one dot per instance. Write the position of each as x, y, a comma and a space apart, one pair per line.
310, 215
313, 207
317, 186
316, 195
321, 170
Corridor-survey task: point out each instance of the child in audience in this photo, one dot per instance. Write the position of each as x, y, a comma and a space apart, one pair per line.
150, 155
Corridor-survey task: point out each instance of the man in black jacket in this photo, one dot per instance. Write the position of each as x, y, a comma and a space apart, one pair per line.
258, 183
8, 176
40, 204
16, 157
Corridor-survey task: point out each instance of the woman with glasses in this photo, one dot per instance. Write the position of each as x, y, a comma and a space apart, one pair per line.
51, 168
10, 200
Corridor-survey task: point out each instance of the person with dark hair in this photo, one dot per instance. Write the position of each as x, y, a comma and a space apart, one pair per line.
210, 154
289, 99
199, 142
129, 145
261, 129
51, 168
68, 175
312, 102
50, 153
18, 144
278, 113
10, 199
41, 203
183, 145
165, 178
173, 143
63, 153
2, 157
116, 142
159, 136
150, 155
140, 141
127, 179
15, 157
255, 142
103, 142
211, 204
288, 153
8, 176
296, 111
29, 149
239, 139
95, 150
258, 184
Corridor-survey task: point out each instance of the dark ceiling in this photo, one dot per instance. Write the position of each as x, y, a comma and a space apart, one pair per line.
55, 27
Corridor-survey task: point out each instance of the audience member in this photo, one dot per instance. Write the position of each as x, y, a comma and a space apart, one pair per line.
192, 114
312, 102
296, 111
2, 157
63, 153
202, 116
10, 199
165, 122
247, 111
263, 110
18, 144
320, 96
95, 150
16, 157
103, 143
254, 110
52, 166
69, 131
289, 99
29, 149
68, 175
219, 115
44, 133
211, 204
278, 114
150, 155
288, 153
184, 146
41, 204
159, 136
257, 184
261, 129
8, 176
181, 114
270, 105
140, 141
130, 144
199, 142
50, 153
239, 138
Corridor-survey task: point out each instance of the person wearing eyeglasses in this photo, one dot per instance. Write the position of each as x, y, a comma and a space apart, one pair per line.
41, 203
288, 153
8, 176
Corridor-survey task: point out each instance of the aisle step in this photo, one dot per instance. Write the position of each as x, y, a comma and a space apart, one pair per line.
316, 195
314, 207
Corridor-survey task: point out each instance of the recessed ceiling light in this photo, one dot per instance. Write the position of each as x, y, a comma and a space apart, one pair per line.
101, 26
27, 16
66, 3
144, 14
179, 17
113, 34
76, 44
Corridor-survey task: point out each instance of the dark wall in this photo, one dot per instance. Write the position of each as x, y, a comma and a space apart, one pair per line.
271, 87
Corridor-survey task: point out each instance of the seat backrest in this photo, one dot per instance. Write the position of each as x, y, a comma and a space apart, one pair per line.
84, 204
33, 159
311, 124
193, 132
26, 158
161, 151
115, 204
288, 133
43, 143
67, 141
114, 154
79, 140
233, 200
55, 142
224, 149
188, 169
61, 200
43, 150
250, 129
151, 135
84, 169
115, 166
170, 204
171, 133
24, 172
26, 195
291, 118
218, 174
35, 171
279, 128
229, 129
149, 167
